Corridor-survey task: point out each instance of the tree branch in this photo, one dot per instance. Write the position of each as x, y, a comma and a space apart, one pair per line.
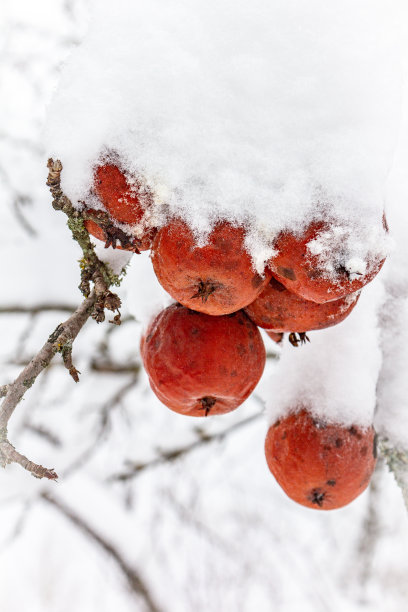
168, 456
61, 340
65, 333
8, 454
41, 431
114, 368
92, 269
133, 577
105, 412
36, 310
3, 391
363, 566
397, 461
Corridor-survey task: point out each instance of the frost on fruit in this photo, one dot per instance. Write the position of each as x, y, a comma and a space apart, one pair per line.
325, 262
269, 137
126, 204
264, 135
216, 278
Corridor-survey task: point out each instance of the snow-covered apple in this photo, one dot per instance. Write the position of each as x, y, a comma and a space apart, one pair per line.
314, 267
217, 278
126, 203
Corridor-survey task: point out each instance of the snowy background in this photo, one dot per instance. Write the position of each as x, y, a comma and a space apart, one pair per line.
154, 511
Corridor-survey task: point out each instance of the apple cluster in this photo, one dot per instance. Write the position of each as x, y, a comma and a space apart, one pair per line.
204, 354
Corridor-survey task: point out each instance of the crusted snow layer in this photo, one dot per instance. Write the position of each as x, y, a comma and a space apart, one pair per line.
335, 375
392, 388
265, 114
270, 115
357, 372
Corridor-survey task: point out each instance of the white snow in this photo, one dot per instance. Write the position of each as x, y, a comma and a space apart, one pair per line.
272, 116
335, 375
355, 267
366, 241
265, 114
326, 119
392, 390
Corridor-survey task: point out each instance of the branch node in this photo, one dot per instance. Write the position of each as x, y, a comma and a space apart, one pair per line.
116, 319
4, 390
66, 352
8, 454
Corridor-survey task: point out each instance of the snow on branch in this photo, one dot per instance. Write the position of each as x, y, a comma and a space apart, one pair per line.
61, 339
397, 461
92, 269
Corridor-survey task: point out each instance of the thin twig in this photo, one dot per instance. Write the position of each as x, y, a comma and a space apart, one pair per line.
19, 201
397, 462
105, 412
101, 367
92, 269
24, 336
370, 530
135, 581
18, 525
8, 454
65, 332
168, 456
37, 309
109, 367
44, 433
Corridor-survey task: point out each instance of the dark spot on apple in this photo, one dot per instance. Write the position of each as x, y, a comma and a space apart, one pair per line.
241, 350
256, 281
276, 285
315, 273
354, 432
287, 273
319, 424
